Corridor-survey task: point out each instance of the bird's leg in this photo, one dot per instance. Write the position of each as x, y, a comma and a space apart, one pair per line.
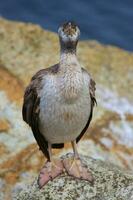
75, 167
50, 170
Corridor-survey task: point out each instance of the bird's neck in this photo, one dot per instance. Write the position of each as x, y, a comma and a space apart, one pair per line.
69, 61
66, 57
71, 76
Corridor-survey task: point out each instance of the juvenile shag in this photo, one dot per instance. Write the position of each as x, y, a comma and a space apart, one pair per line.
58, 106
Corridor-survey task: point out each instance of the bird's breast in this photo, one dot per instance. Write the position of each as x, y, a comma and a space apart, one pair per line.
71, 86
64, 109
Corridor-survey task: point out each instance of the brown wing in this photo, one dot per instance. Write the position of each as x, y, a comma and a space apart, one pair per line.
30, 110
30, 113
92, 89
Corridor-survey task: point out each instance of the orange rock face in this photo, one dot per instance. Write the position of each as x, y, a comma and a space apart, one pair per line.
4, 126
11, 85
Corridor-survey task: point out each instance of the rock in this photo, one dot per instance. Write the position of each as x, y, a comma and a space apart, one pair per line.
4, 125
111, 183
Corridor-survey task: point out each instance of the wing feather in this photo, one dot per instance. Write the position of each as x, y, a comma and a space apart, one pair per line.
30, 113
30, 110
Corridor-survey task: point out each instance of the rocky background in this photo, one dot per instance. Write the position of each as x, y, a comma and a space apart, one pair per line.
26, 48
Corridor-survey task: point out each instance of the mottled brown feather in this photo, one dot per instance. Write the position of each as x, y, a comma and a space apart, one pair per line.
30, 110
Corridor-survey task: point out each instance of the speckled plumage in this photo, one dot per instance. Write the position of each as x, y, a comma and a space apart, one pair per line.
58, 103
65, 102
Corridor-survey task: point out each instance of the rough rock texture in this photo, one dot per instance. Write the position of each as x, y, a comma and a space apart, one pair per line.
24, 49
111, 183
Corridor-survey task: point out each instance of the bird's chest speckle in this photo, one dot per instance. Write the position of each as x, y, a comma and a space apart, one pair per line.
64, 108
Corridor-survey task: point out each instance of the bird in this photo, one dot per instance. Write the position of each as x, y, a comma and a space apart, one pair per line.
58, 106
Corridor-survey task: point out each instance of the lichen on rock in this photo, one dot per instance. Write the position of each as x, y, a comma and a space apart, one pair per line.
110, 183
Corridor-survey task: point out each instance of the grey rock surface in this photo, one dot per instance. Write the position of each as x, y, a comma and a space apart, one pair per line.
111, 183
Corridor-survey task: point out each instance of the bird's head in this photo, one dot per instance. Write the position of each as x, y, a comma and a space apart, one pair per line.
69, 34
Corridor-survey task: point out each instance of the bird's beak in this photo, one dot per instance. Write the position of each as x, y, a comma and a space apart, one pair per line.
69, 30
